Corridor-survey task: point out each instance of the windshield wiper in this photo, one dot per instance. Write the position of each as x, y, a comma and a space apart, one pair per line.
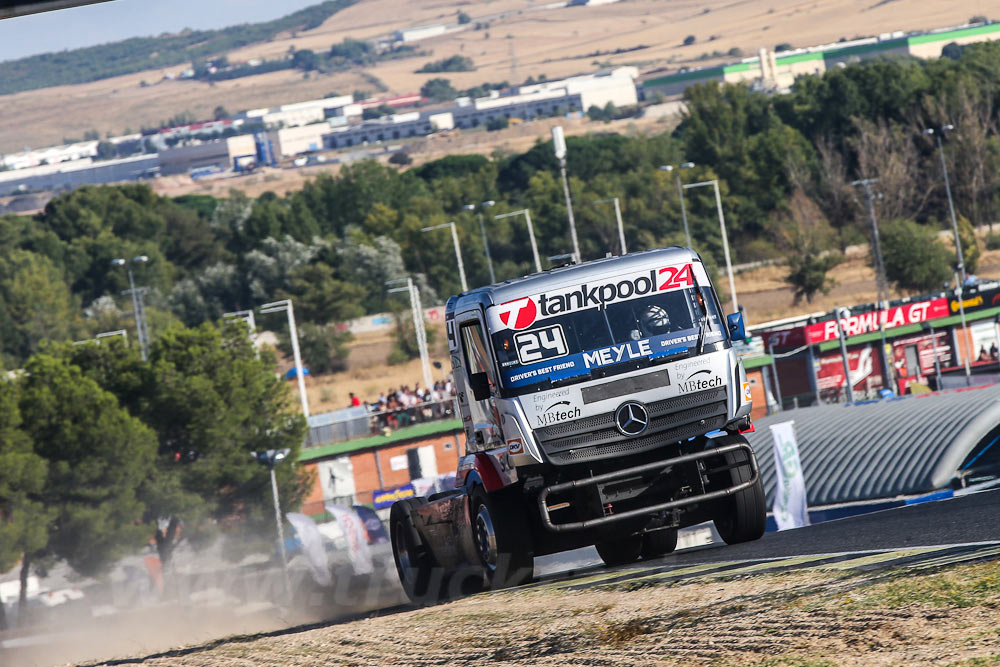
703, 325
702, 328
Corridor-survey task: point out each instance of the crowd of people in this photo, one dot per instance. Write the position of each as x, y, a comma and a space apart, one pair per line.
405, 406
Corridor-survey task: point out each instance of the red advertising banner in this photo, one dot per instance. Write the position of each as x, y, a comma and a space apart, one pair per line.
913, 358
862, 323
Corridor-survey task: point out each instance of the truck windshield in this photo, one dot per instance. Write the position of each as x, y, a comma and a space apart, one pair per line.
615, 337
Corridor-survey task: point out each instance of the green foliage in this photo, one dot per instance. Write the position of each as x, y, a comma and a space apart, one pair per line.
97, 456
993, 241
498, 123
402, 158
970, 244
463, 18
142, 53
323, 348
454, 63
438, 90
915, 260
305, 60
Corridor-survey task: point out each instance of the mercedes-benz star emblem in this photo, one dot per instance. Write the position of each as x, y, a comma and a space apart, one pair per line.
631, 418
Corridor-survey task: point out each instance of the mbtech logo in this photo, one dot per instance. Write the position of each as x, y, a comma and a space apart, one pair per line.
522, 313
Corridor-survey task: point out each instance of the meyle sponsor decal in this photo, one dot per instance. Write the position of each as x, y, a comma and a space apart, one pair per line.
558, 412
522, 313
699, 381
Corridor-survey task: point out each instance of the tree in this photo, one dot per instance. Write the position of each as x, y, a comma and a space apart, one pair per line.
106, 150
689, 40
806, 238
323, 348
914, 258
97, 456
23, 518
402, 158
463, 18
211, 400
36, 303
498, 123
305, 60
220, 113
970, 244
438, 90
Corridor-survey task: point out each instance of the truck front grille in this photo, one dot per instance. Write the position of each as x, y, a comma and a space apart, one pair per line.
671, 420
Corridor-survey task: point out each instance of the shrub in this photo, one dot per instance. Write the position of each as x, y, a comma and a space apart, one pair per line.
915, 260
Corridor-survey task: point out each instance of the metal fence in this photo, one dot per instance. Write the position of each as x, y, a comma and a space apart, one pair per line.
350, 423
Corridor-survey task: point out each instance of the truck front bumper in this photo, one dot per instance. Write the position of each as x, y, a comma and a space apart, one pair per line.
663, 465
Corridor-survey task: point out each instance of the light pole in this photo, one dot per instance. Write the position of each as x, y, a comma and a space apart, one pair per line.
839, 313
531, 234
725, 239
559, 145
270, 458
138, 306
458, 250
680, 195
881, 281
418, 324
482, 230
951, 204
618, 216
286, 305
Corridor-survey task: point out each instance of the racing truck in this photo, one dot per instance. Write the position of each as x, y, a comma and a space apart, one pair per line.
603, 404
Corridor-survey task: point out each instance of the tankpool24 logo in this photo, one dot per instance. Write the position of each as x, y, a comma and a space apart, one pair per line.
521, 313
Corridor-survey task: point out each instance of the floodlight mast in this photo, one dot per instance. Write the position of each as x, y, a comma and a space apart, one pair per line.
417, 312
286, 305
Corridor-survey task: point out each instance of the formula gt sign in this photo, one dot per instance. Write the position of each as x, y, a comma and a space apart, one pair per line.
521, 313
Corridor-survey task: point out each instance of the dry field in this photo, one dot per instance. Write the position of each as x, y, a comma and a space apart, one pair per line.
804, 619
554, 42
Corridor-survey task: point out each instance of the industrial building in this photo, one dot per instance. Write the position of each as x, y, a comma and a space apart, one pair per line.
71, 175
222, 154
542, 99
300, 113
779, 70
419, 32
47, 156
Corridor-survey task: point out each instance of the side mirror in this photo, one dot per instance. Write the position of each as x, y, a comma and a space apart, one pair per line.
480, 386
736, 329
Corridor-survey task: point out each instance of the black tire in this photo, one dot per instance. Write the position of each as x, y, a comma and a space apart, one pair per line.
621, 551
658, 543
414, 563
743, 516
501, 535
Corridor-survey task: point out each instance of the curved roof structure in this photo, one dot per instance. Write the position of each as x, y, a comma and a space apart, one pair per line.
884, 449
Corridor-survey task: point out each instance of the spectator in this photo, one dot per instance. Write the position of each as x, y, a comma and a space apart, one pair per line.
355, 401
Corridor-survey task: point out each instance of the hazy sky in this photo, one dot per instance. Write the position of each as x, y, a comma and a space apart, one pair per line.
120, 19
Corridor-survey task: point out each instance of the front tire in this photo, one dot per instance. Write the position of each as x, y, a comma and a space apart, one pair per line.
659, 543
502, 540
621, 551
743, 516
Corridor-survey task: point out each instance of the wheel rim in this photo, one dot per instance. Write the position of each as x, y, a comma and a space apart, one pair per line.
403, 558
486, 538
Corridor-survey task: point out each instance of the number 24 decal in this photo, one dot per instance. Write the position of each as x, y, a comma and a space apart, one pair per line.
676, 277
538, 344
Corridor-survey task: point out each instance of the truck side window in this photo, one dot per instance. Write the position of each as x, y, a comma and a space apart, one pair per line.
477, 358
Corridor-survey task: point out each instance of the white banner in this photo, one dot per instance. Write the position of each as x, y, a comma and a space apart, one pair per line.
356, 536
790, 508
312, 546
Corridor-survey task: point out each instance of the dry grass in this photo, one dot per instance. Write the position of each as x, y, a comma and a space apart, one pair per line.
555, 42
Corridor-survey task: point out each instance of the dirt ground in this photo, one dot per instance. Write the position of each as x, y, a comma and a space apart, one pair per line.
522, 40
808, 619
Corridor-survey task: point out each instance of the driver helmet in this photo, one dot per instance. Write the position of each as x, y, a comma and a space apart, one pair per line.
654, 320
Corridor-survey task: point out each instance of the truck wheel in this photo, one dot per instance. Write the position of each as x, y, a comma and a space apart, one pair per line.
501, 537
620, 552
414, 563
659, 543
743, 516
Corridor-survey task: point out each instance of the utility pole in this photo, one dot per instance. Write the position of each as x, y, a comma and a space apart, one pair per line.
482, 230
138, 303
270, 458
881, 280
531, 234
458, 251
680, 195
960, 259
559, 144
725, 237
838, 313
417, 312
618, 217
286, 305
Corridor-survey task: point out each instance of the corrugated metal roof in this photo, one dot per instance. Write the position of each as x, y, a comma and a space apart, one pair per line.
896, 447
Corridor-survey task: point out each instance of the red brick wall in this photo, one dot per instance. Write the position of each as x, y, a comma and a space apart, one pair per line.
366, 479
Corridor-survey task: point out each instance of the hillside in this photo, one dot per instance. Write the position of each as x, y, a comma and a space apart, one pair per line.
553, 42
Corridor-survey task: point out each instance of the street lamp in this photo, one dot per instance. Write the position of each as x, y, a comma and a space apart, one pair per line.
939, 133
271, 458
531, 234
482, 230
680, 194
559, 146
293, 334
618, 216
725, 239
417, 311
138, 306
458, 250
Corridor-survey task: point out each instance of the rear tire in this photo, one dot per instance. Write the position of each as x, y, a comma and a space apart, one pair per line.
500, 533
622, 551
743, 516
414, 563
659, 543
